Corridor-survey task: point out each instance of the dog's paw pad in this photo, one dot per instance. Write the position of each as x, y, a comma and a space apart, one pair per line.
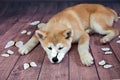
87, 59
23, 50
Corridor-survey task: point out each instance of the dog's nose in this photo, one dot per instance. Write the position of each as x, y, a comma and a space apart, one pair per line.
55, 59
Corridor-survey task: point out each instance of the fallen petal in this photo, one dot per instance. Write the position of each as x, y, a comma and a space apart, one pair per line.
41, 25
102, 62
34, 23
33, 64
5, 55
19, 44
24, 32
108, 52
9, 44
10, 52
107, 66
29, 33
26, 65
118, 41
105, 49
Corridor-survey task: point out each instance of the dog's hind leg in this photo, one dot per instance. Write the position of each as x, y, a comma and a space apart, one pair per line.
83, 49
102, 24
25, 49
110, 33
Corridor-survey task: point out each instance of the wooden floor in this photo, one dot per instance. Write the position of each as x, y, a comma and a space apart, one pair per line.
15, 17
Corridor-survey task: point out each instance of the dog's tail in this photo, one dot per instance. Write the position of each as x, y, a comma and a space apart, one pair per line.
115, 14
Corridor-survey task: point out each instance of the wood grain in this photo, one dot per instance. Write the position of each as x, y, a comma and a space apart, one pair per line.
77, 70
11, 35
110, 59
16, 16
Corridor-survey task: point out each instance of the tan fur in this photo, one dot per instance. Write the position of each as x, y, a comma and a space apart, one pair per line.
80, 19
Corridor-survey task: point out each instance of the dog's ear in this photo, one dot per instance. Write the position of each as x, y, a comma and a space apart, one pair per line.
68, 33
40, 34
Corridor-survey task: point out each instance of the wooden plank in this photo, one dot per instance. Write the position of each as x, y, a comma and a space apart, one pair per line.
5, 67
21, 21
4, 8
104, 74
54, 71
113, 43
8, 63
18, 73
115, 46
59, 71
36, 55
10, 34
41, 12
77, 70
30, 12
8, 22
2, 18
61, 6
116, 7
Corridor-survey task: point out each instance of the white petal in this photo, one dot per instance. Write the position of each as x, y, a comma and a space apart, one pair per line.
26, 65
29, 32
108, 52
118, 36
9, 44
5, 55
24, 32
10, 52
41, 25
107, 66
19, 44
34, 23
33, 64
105, 49
118, 41
102, 62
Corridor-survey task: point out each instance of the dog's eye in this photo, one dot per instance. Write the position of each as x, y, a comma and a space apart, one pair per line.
60, 48
49, 48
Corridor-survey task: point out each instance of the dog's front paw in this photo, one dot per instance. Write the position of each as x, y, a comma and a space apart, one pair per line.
86, 59
24, 50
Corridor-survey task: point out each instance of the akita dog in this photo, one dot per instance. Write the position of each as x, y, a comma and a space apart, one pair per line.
73, 25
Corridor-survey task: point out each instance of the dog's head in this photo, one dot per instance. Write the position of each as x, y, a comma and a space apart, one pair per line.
56, 44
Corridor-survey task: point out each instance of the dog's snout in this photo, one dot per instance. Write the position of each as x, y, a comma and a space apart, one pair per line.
55, 59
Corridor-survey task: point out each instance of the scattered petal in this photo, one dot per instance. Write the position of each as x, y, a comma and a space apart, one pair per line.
41, 25
34, 23
24, 32
9, 44
33, 64
19, 44
118, 36
29, 33
107, 66
108, 52
102, 62
10, 52
5, 55
26, 65
105, 49
118, 41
